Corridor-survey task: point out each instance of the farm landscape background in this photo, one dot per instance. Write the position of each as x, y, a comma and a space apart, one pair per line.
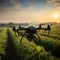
34, 49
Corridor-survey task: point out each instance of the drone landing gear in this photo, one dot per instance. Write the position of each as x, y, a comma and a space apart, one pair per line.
48, 32
22, 38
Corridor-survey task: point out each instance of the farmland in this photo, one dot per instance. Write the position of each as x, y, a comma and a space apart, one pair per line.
47, 48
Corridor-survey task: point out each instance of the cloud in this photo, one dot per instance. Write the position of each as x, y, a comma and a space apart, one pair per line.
8, 5
55, 2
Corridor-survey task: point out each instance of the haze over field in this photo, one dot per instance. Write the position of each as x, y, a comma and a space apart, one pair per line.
29, 11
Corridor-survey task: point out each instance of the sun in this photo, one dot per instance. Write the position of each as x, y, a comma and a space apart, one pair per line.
56, 16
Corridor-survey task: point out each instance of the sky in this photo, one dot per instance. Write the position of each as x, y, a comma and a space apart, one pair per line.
29, 11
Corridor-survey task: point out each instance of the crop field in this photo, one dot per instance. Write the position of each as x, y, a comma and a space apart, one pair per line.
45, 48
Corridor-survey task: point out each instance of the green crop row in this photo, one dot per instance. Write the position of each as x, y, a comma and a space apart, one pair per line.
49, 44
3, 38
29, 50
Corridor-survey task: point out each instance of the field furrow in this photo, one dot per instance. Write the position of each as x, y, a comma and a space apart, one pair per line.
10, 50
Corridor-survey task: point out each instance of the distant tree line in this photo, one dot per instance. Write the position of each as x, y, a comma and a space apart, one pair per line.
10, 24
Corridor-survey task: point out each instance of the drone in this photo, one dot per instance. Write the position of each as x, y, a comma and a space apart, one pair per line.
30, 31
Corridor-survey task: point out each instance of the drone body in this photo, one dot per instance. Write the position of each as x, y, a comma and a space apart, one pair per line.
31, 31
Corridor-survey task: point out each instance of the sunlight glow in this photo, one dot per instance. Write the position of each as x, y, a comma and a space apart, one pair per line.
56, 16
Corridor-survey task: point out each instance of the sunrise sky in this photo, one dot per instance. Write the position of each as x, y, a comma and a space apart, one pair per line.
29, 11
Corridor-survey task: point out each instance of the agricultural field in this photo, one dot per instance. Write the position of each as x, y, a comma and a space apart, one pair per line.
45, 48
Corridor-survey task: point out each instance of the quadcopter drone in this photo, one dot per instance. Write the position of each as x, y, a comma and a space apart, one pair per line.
30, 31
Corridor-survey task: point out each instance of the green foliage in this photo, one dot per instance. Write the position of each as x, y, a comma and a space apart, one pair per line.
3, 38
51, 45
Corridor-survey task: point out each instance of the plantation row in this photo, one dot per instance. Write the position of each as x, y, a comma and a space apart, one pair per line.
3, 39
51, 45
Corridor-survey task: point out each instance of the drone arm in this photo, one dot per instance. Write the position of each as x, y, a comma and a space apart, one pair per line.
40, 28
22, 29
